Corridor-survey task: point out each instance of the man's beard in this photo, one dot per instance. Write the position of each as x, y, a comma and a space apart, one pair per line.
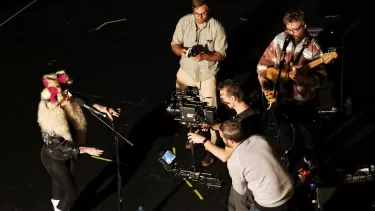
297, 40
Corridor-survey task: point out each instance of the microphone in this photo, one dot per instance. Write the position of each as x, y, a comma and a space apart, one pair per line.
81, 102
288, 38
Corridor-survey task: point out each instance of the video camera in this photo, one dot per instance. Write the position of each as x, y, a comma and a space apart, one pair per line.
168, 160
192, 51
187, 108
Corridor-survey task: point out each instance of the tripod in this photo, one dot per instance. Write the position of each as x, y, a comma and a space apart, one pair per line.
117, 137
193, 165
192, 128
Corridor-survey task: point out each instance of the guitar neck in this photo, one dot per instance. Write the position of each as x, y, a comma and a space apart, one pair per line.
314, 63
306, 67
324, 59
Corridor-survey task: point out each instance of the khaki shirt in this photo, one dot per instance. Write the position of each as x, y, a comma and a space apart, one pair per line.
211, 38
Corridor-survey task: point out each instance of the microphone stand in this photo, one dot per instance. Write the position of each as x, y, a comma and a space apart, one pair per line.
277, 85
119, 177
276, 88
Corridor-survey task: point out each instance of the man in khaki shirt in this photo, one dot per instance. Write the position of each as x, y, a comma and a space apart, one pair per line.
208, 35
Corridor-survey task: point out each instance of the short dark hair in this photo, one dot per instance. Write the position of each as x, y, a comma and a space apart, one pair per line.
199, 3
233, 88
232, 130
294, 15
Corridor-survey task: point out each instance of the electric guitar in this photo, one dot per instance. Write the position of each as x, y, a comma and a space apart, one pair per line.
272, 73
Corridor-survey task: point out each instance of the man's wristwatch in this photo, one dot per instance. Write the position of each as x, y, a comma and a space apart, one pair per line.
204, 141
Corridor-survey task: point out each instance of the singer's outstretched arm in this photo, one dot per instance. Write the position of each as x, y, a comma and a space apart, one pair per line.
109, 111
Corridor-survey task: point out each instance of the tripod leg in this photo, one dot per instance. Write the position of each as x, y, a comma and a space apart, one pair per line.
194, 166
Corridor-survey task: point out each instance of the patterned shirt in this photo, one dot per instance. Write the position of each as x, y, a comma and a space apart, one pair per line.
297, 90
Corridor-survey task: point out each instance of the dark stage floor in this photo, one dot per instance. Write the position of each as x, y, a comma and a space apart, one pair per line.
129, 64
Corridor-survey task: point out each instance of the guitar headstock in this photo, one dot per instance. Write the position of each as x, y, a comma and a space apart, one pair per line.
327, 57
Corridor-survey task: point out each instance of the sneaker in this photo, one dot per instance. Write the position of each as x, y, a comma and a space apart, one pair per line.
207, 160
55, 202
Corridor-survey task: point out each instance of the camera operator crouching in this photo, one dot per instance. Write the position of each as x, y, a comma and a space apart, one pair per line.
232, 96
253, 165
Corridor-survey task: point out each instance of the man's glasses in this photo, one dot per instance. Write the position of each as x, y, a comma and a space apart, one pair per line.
293, 30
203, 14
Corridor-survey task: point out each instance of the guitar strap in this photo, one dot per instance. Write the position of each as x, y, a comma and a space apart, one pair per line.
289, 84
305, 45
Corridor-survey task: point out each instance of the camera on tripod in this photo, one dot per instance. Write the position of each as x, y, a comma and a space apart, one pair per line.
192, 51
187, 108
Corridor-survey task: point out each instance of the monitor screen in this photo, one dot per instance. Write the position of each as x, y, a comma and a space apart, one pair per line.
168, 157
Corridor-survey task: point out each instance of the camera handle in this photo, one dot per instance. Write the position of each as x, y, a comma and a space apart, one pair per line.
194, 166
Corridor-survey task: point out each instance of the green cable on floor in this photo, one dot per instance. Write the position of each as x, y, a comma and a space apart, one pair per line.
195, 190
187, 181
106, 23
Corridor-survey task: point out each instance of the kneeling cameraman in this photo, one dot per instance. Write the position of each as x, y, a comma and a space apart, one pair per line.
253, 165
232, 96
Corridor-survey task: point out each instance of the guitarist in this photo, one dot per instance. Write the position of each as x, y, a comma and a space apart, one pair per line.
295, 96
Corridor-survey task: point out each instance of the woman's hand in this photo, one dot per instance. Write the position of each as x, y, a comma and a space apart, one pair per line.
91, 151
109, 111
